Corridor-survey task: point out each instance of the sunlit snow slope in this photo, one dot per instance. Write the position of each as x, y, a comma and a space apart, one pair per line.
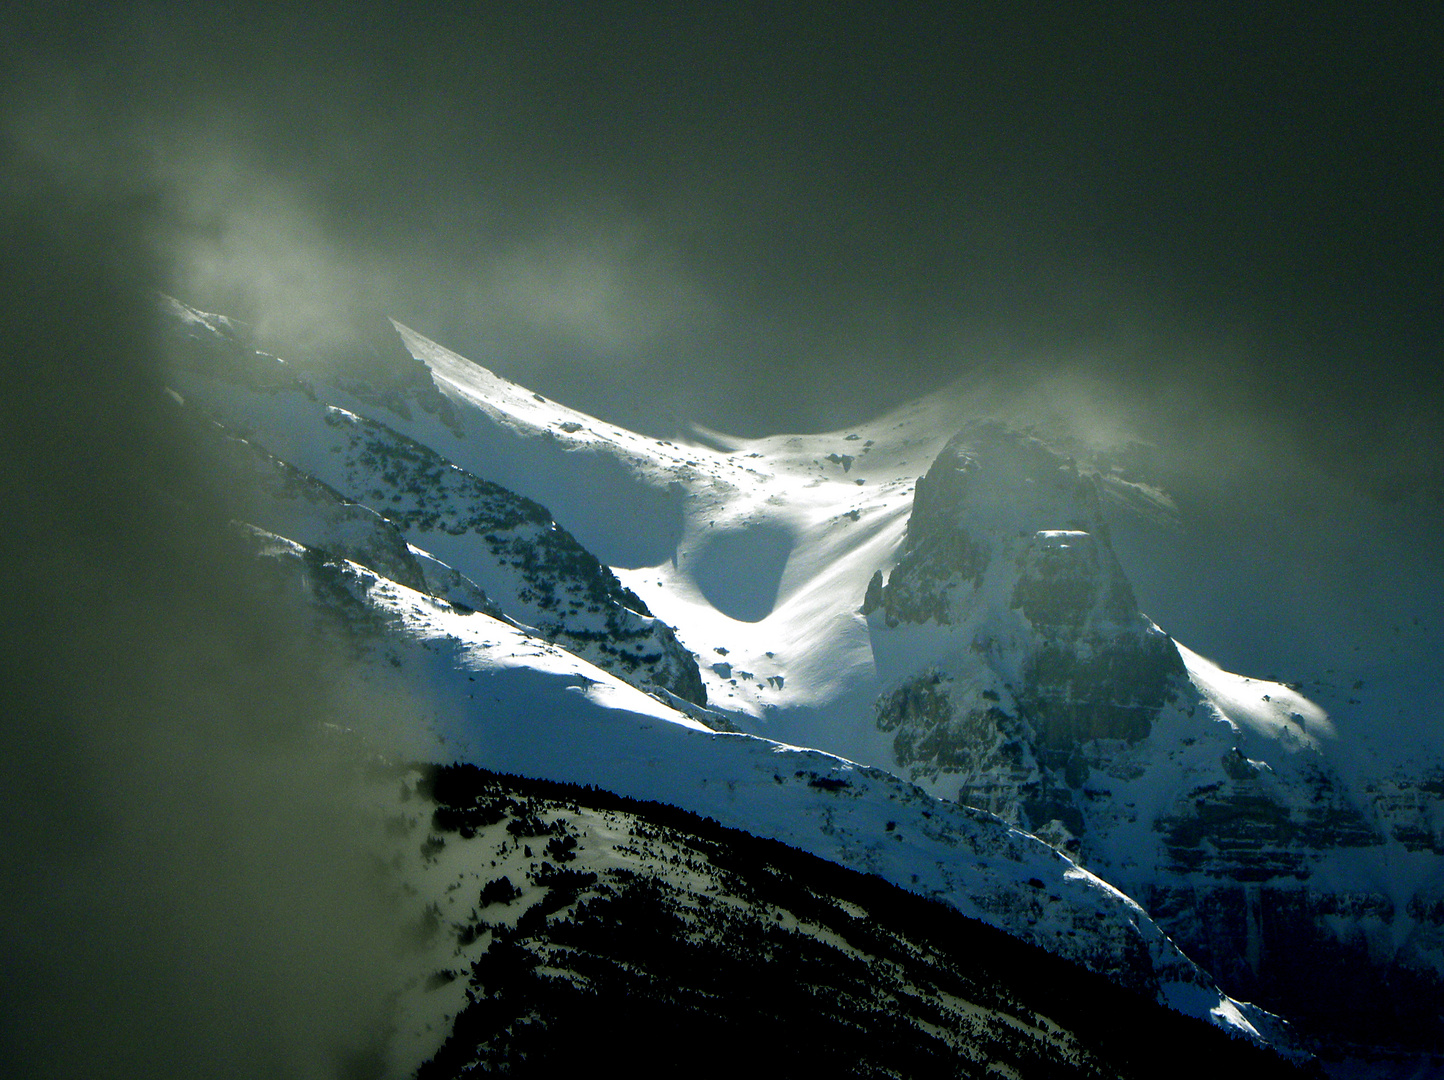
984, 635
1228, 796
472, 688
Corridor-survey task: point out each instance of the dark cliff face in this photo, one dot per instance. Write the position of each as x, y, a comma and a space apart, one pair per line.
1098, 670
364, 490
1046, 697
1007, 545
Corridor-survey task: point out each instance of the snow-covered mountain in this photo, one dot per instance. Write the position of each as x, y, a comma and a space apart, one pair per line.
1046, 696
963, 654
504, 544
474, 689
557, 923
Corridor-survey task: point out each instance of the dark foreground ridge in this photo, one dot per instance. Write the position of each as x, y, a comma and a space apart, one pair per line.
715, 952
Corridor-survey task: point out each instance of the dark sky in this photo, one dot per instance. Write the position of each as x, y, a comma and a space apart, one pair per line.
768, 219
1225, 222
187, 886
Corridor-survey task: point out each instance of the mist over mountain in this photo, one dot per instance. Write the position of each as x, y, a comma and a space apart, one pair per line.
968, 641
790, 221
1191, 258
188, 889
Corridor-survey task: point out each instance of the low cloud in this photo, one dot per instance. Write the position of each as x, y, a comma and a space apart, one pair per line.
189, 887
799, 225
788, 229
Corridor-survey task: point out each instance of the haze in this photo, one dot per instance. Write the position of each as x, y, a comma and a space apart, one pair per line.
1218, 231
770, 221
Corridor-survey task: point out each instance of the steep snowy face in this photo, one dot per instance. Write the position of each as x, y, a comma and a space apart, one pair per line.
1007, 549
357, 488
536, 571
1025, 680
473, 689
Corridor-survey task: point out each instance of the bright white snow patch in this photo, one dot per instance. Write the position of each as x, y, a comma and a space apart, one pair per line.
1272, 710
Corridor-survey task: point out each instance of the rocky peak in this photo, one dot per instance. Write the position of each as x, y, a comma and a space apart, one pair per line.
1066, 579
1039, 692
370, 362
1045, 660
1007, 545
993, 476
996, 494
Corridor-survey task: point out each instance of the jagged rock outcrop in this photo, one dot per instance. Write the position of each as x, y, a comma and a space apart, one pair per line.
449, 584
1007, 546
1046, 697
1099, 669
368, 361
529, 565
280, 499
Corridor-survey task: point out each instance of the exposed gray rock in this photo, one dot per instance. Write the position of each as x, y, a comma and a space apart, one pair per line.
1000, 519
531, 567
1047, 698
1412, 806
872, 600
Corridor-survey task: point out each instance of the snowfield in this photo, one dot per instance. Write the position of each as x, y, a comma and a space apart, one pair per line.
863, 676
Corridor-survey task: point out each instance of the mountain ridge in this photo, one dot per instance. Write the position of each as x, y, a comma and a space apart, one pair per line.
991, 650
